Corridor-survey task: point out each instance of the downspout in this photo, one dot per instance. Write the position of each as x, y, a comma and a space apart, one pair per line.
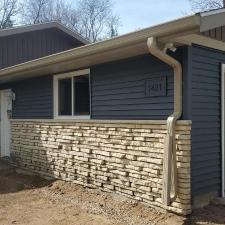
169, 163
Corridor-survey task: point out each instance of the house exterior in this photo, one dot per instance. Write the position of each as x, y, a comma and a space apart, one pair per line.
141, 114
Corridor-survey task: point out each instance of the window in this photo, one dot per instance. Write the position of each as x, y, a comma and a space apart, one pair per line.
72, 95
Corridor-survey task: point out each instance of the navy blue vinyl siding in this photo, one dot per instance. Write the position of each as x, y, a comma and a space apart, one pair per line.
206, 118
118, 89
34, 98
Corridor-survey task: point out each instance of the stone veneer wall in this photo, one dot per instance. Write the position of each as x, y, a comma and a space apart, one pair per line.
116, 156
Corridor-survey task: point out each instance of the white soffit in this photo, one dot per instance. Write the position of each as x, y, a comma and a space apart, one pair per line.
201, 40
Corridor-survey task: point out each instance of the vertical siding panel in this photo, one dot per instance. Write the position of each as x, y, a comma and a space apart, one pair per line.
223, 33
1, 55
217, 33
5, 59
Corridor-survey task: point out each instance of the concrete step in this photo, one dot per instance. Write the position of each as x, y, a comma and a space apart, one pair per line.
5, 167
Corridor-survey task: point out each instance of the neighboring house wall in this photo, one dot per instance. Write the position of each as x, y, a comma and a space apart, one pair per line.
205, 93
19, 48
217, 33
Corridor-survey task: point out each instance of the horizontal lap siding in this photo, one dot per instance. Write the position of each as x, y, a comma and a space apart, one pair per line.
118, 90
34, 98
206, 118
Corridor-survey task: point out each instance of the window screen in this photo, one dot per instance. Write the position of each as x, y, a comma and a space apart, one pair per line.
81, 95
65, 97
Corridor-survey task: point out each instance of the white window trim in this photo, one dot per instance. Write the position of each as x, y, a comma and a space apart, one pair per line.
55, 94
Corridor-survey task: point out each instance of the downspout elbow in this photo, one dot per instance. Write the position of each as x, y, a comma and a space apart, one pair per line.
169, 163
177, 68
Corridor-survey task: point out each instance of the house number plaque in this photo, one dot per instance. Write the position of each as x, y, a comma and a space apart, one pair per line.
155, 87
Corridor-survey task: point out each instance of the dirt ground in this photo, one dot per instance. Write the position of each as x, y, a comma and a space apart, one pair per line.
34, 201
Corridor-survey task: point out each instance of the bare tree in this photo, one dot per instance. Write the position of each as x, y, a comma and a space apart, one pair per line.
113, 25
202, 5
94, 19
97, 19
8, 9
39, 11
32, 11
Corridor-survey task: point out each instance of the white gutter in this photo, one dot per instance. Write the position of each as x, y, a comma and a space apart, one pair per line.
169, 164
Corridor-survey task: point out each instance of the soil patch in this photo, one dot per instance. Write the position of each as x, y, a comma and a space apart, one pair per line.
30, 200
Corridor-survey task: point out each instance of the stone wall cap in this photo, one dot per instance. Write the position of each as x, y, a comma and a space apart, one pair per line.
144, 122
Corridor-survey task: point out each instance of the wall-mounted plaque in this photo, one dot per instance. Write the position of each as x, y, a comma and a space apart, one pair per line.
155, 87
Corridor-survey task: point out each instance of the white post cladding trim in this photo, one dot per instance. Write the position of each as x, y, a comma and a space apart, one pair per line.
169, 162
223, 127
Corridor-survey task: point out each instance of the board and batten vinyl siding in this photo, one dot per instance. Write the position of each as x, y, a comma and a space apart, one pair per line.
206, 119
216, 33
118, 89
23, 47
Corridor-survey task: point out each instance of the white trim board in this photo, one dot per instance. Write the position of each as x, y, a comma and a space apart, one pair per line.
223, 126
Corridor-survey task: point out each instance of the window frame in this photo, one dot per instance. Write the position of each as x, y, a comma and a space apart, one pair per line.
58, 77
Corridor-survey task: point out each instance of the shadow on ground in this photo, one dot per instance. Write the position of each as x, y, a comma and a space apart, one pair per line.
11, 183
212, 214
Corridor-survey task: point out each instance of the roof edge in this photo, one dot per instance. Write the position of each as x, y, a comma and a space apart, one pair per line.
43, 26
130, 39
70, 32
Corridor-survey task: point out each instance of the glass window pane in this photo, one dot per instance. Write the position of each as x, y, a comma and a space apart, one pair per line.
65, 97
81, 95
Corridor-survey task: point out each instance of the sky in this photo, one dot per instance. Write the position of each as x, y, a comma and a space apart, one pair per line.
137, 14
